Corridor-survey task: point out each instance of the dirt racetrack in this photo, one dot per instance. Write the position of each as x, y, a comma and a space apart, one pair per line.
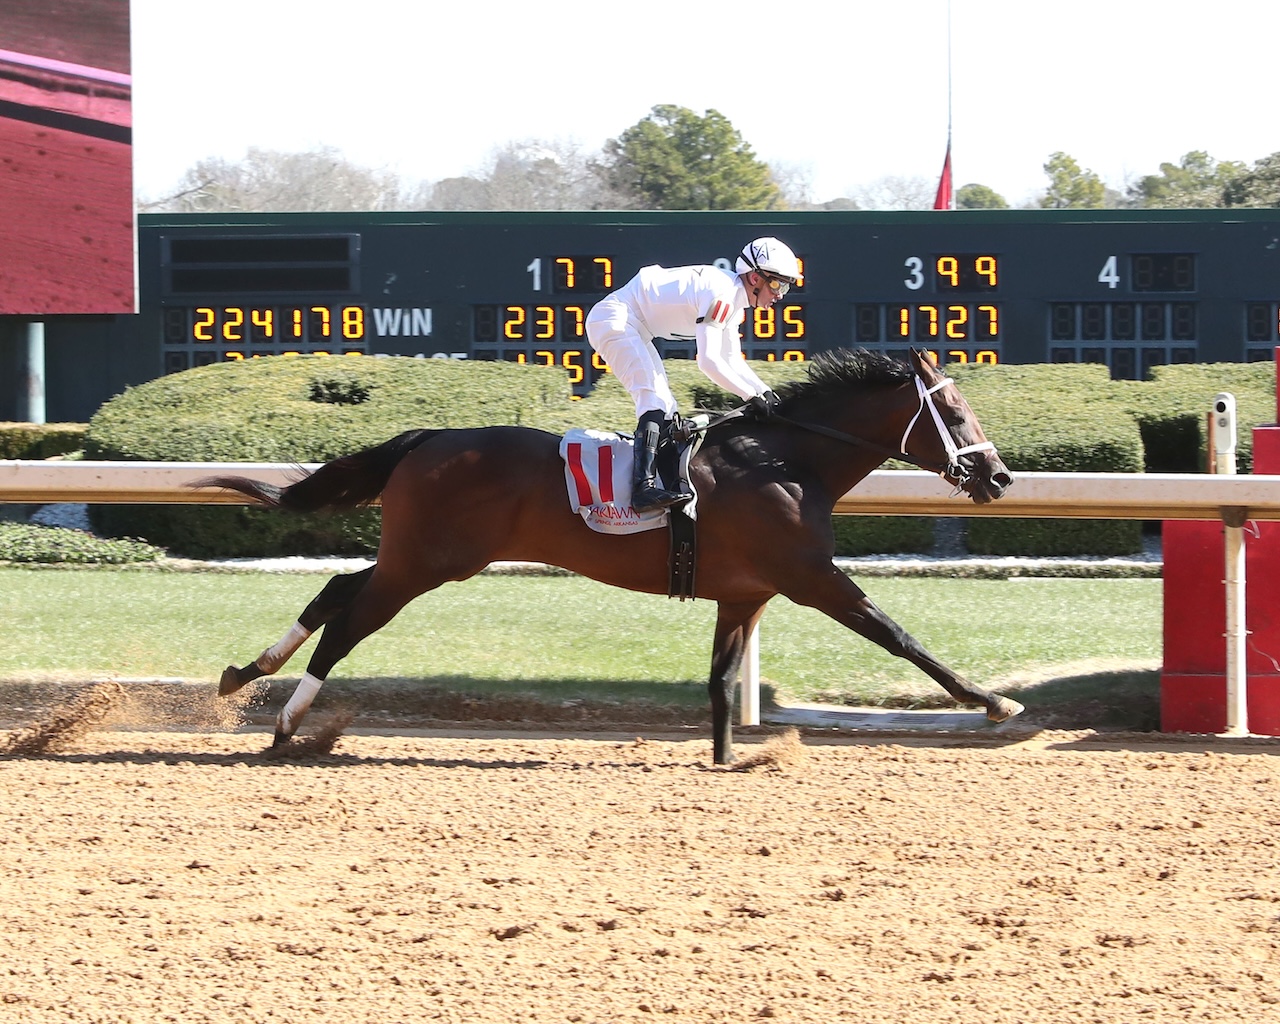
488, 876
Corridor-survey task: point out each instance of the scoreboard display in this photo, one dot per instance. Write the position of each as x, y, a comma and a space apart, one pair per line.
1128, 289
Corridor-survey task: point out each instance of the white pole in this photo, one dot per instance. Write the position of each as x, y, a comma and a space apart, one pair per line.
1222, 441
35, 372
1236, 634
749, 676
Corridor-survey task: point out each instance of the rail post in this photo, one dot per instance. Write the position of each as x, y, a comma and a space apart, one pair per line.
749, 677
1222, 444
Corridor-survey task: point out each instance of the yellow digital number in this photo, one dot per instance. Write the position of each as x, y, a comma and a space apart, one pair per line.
957, 355
574, 322
545, 323
986, 267
763, 325
932, 313
569, 277
958, 325
201, 330
232, 322
793, 317
263, 323
353, 322
606, 270
323, 313
949, 267
233, 357
571, 361
297, 323
513, 323
597, 363
904, 321
993, 321
548, 358
986, 355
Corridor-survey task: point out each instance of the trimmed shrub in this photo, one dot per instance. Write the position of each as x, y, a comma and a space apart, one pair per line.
27, 543
882, 535
40, 440
1054, 418
1172, 410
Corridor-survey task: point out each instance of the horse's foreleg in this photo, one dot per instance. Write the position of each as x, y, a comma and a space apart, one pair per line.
843, 600
734, 623
335, 596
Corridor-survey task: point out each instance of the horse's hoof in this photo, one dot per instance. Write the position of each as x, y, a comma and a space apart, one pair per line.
281, 740
1003, 708
230, 681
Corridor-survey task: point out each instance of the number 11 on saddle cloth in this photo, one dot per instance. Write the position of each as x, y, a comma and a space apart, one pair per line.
597, 472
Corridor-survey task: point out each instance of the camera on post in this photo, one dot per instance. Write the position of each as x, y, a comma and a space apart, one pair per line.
1224, 424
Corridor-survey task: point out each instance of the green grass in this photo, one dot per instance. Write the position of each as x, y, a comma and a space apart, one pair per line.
568, 637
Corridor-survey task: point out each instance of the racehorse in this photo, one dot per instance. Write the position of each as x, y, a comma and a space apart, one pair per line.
455, 500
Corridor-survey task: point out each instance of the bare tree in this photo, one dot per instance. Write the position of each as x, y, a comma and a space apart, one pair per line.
795, 182
267, 181
528, 175
895, 193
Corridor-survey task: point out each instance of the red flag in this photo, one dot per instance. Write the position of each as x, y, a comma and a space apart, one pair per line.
943, 199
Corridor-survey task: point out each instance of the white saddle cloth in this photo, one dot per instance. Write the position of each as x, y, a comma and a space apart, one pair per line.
597, 472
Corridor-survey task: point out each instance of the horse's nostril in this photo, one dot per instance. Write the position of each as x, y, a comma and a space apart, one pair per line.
1001, 480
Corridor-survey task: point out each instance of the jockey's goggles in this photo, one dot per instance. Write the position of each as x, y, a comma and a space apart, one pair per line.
776, 285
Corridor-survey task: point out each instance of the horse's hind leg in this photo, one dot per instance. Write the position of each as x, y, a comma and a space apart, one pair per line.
371, 608
336, 595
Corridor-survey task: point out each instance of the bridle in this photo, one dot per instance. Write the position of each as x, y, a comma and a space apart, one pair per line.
953, 470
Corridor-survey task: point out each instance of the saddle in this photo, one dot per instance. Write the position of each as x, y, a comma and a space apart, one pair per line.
597, 468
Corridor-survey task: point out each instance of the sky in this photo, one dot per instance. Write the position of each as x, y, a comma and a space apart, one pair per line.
843, 94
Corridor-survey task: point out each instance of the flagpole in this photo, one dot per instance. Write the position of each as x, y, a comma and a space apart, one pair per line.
945, 198
953, 194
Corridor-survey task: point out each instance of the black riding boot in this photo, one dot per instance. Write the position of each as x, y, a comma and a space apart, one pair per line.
647, 492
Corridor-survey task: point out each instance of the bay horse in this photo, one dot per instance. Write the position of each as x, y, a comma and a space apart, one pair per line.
455, 500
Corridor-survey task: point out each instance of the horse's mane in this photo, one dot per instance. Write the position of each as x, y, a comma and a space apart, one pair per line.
839, 370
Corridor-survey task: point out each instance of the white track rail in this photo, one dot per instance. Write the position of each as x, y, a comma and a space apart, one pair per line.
1050, 495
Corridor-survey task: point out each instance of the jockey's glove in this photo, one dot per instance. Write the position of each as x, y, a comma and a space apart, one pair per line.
761, 407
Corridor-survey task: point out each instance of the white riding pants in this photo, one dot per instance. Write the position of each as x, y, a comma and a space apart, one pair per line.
626, 346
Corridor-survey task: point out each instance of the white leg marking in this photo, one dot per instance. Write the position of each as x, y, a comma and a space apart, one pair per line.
292, 713
273, 658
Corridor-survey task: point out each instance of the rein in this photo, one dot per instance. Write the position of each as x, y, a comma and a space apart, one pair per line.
953, 469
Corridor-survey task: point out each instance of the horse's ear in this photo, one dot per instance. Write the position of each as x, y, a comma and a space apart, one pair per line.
923, 364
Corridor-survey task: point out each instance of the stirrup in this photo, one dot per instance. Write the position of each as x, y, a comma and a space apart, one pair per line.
652, 498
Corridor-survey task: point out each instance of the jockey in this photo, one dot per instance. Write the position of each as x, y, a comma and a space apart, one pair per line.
704, 304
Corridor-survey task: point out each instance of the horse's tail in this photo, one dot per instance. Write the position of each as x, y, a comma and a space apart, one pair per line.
346, 482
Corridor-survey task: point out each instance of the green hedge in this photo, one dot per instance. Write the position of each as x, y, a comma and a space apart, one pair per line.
40, 440
25, 543
1172, 409
1053, 418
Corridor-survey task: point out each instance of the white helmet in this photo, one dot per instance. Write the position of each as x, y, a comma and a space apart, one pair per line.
771, 257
